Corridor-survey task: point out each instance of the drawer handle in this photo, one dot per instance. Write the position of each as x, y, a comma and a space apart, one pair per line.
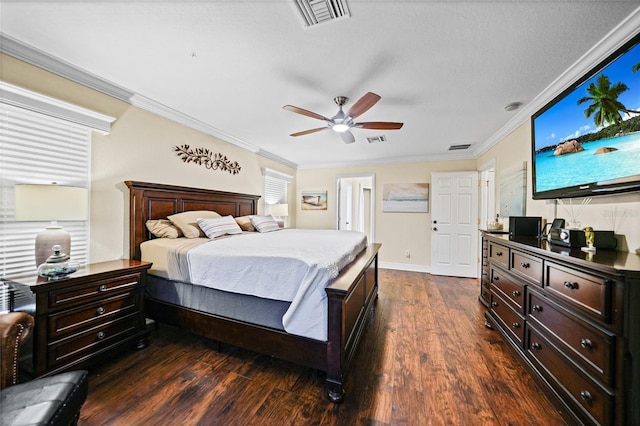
586, 395
498, 253
100, 310
515, 325
536, 308
586, 343
494, 304
536, 346
496, 278
516, 293
103, 288
525, 265
570, 285
101, 335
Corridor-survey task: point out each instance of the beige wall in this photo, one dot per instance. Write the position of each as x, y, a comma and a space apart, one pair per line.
139, 147
619, 213
397, 232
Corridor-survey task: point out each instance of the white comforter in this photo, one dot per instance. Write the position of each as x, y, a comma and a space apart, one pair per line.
293, 265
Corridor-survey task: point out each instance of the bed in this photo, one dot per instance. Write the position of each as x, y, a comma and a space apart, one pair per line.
351, 295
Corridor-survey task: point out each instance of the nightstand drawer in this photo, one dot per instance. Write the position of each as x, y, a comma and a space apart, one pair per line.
94, 290
587, 344
594, 401
78, 346
588, 292
88, 316
508, 288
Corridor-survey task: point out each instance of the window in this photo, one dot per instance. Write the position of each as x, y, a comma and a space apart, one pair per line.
42, 140
275, 188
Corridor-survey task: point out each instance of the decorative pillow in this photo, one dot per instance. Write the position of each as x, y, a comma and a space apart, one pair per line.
186, 221
162, 228
245, 223
219, 226
264, 223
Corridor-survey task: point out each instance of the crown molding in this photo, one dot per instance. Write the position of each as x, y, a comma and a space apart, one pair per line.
186, 120
615, 39
47, 62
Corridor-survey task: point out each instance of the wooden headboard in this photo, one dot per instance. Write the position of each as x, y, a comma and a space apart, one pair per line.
157, 201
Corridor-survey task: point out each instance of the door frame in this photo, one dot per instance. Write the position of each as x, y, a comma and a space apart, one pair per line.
372, 204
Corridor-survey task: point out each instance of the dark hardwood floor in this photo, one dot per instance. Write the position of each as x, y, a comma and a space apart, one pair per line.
426, 358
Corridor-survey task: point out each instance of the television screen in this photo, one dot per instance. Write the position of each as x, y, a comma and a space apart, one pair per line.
587, 140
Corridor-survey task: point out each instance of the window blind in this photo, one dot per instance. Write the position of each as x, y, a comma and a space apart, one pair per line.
38, 148
275, 188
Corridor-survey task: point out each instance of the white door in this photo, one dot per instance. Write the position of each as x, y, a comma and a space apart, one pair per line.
345, 214
454, 224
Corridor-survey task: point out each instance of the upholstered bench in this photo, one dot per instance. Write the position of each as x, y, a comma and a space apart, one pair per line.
54, 400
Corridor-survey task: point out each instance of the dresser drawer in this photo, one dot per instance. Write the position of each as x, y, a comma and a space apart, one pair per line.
583, 342
511, 320
78, 346
88, 316
508, 288
499, 253
92, 291
595, 403
528, 266
590, 293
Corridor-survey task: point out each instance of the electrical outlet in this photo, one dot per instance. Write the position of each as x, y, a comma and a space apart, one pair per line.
407, 254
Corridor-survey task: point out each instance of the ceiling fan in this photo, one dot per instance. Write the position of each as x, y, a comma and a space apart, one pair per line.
342, 123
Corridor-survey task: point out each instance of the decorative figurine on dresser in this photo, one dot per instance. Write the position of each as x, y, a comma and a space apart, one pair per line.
574, 319
83, 314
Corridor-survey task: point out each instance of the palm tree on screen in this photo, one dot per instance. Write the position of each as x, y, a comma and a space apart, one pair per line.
605, 106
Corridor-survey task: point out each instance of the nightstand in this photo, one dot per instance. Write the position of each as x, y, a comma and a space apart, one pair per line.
85, 318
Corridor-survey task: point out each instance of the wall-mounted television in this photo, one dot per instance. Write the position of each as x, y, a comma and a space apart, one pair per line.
586, 141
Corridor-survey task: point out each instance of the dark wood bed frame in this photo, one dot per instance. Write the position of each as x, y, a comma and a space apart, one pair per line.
351, 295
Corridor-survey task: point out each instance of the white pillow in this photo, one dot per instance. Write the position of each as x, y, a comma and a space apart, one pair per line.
264, 223
186, 221
217, 227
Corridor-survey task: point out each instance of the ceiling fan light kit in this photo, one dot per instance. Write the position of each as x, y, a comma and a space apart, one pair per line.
341, 123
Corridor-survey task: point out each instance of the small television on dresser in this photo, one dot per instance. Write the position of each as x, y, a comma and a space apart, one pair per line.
586, 141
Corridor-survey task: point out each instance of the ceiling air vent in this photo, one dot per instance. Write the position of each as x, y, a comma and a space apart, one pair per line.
459, 147
376, 139
318, 11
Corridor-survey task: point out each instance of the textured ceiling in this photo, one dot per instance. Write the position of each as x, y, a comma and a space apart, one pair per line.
444, 68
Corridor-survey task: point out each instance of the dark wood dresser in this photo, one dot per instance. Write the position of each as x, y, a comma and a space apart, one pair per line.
86, 317
574, 318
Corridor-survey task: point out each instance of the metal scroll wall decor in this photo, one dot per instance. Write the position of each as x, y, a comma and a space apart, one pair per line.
204, 157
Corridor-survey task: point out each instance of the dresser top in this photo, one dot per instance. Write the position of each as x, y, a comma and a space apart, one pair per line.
611, 261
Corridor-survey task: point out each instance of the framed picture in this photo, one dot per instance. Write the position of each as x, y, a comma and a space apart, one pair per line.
314, 200
405, 197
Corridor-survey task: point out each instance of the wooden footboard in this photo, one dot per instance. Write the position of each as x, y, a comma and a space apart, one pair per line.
351, 295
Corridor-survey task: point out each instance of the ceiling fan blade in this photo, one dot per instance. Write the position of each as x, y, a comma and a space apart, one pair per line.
305, 112
363, 104
379, 125
306, 132
347, 137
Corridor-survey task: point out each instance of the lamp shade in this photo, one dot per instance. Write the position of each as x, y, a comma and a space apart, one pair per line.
280, 210
50, 202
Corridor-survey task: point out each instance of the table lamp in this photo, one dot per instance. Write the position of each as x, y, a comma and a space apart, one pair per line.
280, 211
53, 203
